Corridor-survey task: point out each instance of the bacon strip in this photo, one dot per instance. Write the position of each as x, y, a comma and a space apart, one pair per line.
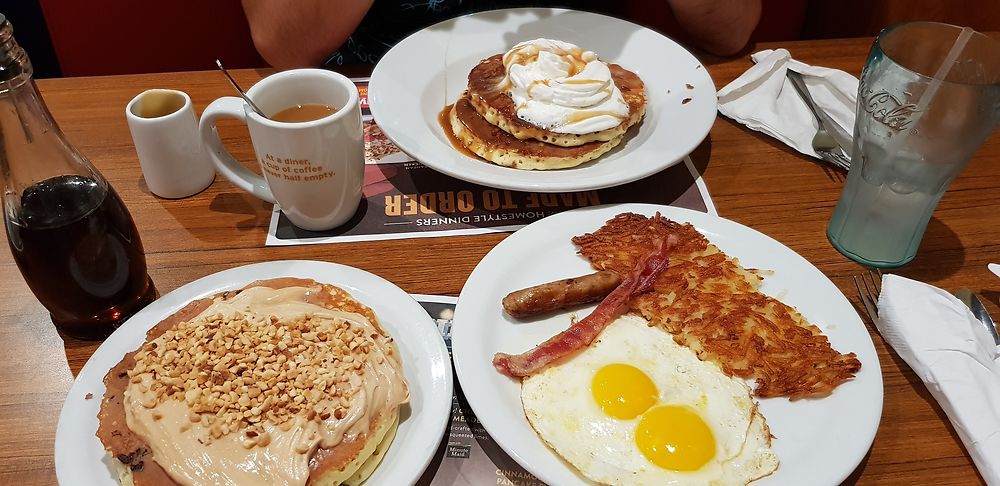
581, 333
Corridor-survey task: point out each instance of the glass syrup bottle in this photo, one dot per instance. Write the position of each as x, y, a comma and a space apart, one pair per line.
70, 234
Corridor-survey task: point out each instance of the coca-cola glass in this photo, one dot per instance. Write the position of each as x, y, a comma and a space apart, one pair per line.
929, 96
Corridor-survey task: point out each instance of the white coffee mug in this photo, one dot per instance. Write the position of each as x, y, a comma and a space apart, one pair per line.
313, 170
165, 132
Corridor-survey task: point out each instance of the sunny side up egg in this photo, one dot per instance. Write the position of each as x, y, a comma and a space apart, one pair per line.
637, 408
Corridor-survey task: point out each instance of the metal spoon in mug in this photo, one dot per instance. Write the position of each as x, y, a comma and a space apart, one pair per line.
242, 93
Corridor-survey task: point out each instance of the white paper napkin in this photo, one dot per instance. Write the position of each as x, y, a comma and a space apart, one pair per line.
956, 358
764, 99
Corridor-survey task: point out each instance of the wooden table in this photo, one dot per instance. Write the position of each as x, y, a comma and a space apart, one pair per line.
753, 180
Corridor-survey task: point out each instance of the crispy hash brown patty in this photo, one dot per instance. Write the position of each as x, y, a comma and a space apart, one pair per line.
711, 304
135, 454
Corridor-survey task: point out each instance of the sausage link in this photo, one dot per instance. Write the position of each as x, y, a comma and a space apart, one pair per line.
560, 294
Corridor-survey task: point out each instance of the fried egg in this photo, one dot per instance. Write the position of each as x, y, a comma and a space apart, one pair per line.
637, 408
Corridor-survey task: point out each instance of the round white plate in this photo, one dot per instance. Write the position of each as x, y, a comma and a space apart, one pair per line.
819, 442
81, 458
429, 69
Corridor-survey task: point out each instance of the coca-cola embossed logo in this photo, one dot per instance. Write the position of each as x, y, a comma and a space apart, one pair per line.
886, 108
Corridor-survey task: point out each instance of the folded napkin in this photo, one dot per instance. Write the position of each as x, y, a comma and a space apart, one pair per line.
956, 358
764, 99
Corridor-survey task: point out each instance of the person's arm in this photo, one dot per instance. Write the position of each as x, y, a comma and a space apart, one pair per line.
721, 27
301, 33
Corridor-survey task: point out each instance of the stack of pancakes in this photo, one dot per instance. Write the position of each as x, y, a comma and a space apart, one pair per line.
334, 451
485, 121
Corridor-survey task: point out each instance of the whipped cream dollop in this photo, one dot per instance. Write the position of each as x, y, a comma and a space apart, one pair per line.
560, 87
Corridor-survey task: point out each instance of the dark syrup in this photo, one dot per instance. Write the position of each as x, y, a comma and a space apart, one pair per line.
80, 254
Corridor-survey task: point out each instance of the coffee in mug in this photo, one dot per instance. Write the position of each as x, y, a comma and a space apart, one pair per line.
303, 113
312, 160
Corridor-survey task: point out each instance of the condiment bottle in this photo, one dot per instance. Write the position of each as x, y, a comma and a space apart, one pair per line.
70, 234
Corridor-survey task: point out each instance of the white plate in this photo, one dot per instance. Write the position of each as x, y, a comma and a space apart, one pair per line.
81, 459
819, 442
429, 69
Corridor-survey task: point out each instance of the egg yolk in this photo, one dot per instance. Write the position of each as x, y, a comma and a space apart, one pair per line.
675, 438
623, 391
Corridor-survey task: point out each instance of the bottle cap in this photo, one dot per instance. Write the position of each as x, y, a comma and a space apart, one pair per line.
13, 60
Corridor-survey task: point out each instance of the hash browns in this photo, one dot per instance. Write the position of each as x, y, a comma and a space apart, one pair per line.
712, 305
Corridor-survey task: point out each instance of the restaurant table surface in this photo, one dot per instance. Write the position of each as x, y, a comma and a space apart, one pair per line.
753, 180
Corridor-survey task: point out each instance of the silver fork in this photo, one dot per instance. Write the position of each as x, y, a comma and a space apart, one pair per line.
831, 156
823, 142
869, 286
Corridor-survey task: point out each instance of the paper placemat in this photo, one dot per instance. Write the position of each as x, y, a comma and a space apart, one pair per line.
404, 199
467, 456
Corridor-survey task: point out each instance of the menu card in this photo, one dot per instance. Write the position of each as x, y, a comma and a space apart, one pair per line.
404, 199
467, 456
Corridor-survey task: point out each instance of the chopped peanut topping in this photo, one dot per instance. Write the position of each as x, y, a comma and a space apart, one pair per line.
236, 372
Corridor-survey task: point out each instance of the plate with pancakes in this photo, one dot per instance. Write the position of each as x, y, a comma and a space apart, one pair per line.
542, 100
646, 344
284, 372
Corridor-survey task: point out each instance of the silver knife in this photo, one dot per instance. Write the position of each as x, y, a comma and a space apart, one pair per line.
845, 140
972, 302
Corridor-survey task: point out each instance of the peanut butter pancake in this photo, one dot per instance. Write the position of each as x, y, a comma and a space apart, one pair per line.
286, 381
488, 94
711, 304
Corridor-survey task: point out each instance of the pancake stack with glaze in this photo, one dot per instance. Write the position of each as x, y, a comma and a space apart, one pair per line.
546, 104
286, 382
